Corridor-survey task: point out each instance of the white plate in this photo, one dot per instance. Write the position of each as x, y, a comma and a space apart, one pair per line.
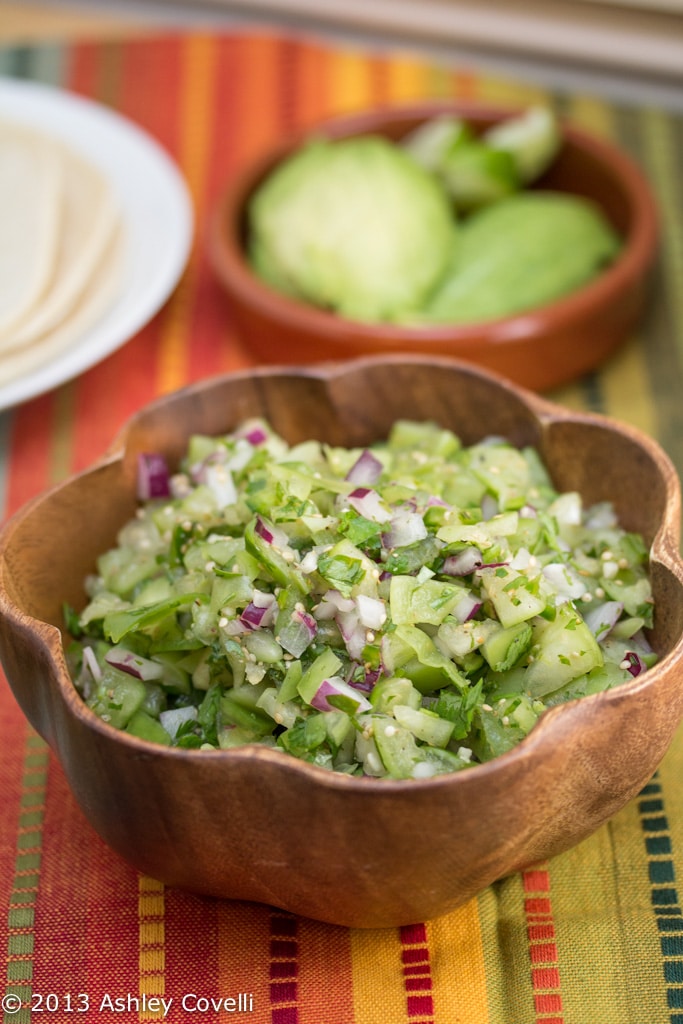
157, 212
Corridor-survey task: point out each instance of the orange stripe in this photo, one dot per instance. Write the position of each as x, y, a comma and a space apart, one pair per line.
312, 85
197, 72
244, 927
325, 973
543, 954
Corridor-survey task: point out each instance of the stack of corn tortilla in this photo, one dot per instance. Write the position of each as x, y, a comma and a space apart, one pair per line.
60, 248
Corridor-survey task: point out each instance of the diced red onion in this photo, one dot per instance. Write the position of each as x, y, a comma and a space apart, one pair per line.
336, 687
467, 607
366, 469
262, 531
601, 517
567, 509
175, 717
256, 436
367, 503
463, 563
199, 469
337, 602
153, 478
91, 663
636, 665
371, 611
489, 507
602, 619
133, 664
271, 534
325, 611
236, 627
353, 634
309, 563
298, 634
252, 616
564, 580
218, 479
434, 502
407, 527
368, 683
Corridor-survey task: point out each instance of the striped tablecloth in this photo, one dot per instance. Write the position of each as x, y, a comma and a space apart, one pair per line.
592, 937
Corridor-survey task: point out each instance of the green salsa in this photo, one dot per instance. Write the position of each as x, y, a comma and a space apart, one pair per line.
399, 611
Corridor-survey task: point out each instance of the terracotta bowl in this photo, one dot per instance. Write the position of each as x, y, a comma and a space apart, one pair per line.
540, 349
255, 824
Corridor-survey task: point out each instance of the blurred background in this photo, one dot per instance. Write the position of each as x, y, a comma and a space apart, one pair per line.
631, 49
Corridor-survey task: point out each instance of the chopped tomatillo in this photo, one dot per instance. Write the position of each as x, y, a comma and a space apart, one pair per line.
400, 611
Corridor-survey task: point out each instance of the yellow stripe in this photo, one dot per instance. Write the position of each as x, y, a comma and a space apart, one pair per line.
622, 388
407, 80
510, 93
62, 433
458, 970
350, 81
196, 108
377, 954
151, 941
459, 975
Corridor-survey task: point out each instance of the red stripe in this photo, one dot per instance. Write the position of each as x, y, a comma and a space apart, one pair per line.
417, 984
414, 935
536, 881
543, 954
285, 1015
539, 907
284, 952
548, 1003
416, 961
538, 932
412, 956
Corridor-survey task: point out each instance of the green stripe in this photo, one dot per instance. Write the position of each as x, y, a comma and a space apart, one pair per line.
509, 989
16, 61
650, 136
661, 164
22, 901
657, 331
48, 64
664, 895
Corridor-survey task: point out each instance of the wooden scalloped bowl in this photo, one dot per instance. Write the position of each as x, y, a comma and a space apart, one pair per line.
540, 349
255, 824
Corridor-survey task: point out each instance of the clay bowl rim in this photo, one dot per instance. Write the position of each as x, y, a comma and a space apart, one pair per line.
663, 549
227, 255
